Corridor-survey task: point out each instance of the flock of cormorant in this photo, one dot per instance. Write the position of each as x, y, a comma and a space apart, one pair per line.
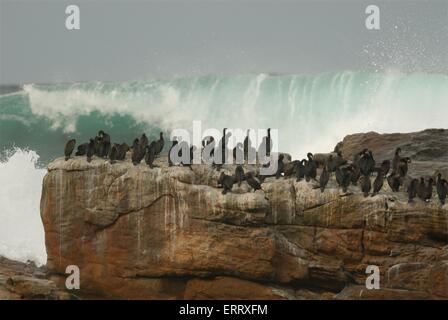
358, 171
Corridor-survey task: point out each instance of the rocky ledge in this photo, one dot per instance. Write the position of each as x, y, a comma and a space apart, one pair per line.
19, 281
169, 233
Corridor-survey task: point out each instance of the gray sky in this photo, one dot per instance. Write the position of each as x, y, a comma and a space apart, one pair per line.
133, 40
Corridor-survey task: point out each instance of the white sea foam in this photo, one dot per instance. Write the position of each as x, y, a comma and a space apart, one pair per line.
312, 113
21, 230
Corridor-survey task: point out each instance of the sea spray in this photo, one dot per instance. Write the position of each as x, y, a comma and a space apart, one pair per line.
21, 229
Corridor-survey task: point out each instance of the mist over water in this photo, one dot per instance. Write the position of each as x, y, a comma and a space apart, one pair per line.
311, 112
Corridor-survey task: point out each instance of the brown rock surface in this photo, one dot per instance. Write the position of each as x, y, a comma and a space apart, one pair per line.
20, 281
224, 287
427, 149
169, 233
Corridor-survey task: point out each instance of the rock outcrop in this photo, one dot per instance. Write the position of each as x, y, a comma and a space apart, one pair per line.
25, 281
427, 149
169, 233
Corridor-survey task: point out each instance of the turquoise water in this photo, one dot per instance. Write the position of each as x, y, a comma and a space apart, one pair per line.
312, 112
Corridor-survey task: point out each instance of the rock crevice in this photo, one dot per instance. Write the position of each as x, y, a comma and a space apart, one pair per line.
169, 233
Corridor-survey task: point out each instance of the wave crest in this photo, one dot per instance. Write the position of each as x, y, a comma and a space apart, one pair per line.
312, 112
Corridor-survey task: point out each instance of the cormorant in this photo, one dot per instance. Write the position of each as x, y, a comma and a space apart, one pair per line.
251, 181
324, 178
69, 147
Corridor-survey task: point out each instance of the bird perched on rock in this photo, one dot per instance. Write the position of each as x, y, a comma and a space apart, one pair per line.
324, 178
82, 149
104, 144
428, 190
332, 164
300, 170
122, 149
252, 182
396, 160
239, 174
344, 177
190, 159
378, 183
442, 188
310, 168
340, 161
69, 147
237, 152
394, 182
385, 167
280, 166
402, 169
290, 168
150, 154
113, 155
366, 185
226, 182
412, 190
90, 150
367, 163
159, 144
143, 141
421, 189
137, 152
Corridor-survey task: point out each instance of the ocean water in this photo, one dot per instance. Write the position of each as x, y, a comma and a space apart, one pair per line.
311, 113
